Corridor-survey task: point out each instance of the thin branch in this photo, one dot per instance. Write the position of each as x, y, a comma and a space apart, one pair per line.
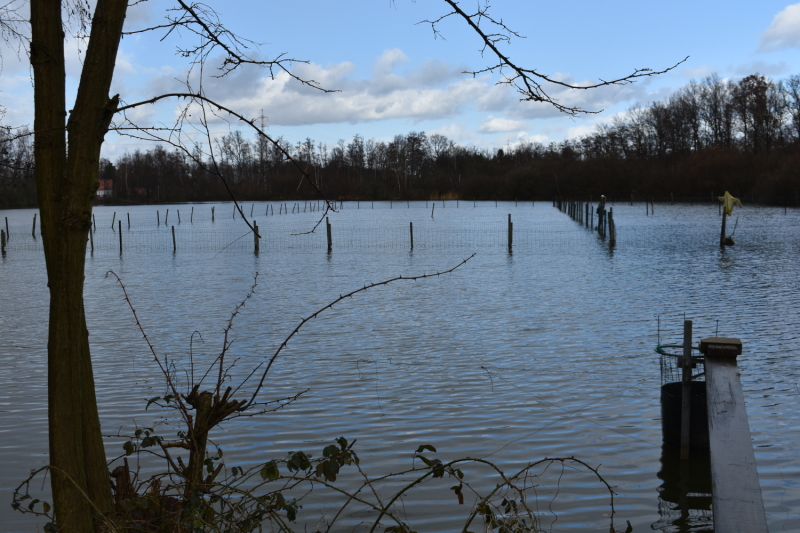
324, 308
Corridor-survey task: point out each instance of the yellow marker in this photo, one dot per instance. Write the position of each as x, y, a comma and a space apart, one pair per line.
729, 201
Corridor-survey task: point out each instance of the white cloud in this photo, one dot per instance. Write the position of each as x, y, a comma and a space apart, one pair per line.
492, 124
763, 68
784, 32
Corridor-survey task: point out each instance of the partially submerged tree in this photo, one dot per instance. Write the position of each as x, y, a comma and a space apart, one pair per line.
67, 155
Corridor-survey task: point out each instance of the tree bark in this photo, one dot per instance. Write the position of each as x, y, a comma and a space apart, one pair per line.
66, 181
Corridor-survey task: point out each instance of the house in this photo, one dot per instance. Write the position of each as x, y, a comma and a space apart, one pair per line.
106, 188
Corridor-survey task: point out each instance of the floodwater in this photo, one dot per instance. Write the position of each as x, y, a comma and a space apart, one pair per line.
543, 352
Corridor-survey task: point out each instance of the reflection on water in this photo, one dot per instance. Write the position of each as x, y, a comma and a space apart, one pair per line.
684, 497
544, 352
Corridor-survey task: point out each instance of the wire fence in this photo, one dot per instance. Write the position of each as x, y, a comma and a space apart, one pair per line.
382, 234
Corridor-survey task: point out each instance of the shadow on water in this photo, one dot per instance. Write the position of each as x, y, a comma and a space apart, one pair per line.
684, 496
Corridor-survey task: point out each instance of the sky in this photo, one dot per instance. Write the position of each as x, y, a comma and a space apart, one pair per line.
392, 75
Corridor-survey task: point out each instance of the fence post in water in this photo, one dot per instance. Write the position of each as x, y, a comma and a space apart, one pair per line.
255, 237
33, 230
174, 246
686, 389
432, 208
119, 227
411, 231
114, 218
191, 216
179, 215
612, 227
252, 206
129, 221
737, 501
212, 214
510, 232
330, 241
158, 217
8, 235
166, 218
3, 241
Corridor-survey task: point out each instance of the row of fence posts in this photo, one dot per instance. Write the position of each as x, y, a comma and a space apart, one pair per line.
5, 235
581, 212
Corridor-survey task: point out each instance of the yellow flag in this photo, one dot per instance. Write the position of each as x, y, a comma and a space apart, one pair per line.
729, 201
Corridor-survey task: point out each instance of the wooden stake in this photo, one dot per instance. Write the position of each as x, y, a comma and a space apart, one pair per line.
119, 227
212, 214
129, 221
191, 216
432, 208
166, 218
411, 231
33, 230
3, 242
722, 232
113, 219
174, 246
8, 235
179, 215
510, 232
158, 217
330, 240
255, 237
252, 206
686, 390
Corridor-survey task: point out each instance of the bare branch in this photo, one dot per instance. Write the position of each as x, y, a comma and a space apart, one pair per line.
527, 82
326, 307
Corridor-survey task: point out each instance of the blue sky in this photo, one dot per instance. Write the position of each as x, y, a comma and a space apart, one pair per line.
393, 76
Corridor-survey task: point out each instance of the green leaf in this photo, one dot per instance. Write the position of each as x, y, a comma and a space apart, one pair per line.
129, 448
342, 443
46, 507
152, 400
424, 447
270, 471
330, 450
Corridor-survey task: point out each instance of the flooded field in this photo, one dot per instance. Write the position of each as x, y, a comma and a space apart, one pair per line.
543, 351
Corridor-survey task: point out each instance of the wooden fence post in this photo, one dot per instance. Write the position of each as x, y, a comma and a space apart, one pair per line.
174, 246
510, 232
33, 230
328, 227
114, 218
119, 228
3, 242
255, 237
411, 231
129, 221
686, 389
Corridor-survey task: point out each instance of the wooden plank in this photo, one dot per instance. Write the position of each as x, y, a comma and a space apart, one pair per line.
738, 506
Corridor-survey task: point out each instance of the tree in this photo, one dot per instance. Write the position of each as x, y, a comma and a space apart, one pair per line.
67, 158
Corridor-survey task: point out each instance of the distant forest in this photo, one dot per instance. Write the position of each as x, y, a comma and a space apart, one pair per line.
710, 136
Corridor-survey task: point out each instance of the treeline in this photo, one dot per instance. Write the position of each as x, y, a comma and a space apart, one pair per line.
710, 136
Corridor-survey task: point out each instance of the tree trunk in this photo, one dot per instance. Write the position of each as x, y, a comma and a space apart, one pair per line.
66, 182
